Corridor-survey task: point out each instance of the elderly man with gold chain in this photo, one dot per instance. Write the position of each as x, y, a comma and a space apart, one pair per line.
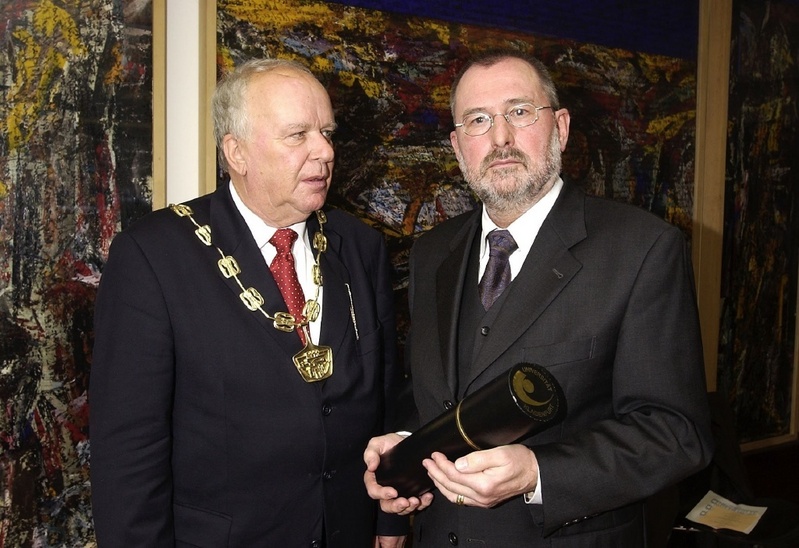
245, 346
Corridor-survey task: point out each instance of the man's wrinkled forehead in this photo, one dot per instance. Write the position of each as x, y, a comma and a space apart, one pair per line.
505, 82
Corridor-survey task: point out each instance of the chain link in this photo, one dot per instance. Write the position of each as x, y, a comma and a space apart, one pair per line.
252, 299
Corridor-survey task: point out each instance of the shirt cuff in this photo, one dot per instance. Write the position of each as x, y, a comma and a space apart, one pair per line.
534, 497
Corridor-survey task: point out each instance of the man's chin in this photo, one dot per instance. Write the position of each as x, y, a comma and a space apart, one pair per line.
316, 201
504, 184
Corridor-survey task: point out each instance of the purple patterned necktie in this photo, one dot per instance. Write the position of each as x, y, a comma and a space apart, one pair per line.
285, 274
497, 273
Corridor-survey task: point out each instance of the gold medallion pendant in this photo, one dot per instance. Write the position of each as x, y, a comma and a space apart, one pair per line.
314, 363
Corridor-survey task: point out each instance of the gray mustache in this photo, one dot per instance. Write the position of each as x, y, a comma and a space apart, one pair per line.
508, 154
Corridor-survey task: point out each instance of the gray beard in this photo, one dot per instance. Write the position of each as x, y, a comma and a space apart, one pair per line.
516, 192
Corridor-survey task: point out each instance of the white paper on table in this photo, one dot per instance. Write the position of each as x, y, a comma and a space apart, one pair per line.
719, 513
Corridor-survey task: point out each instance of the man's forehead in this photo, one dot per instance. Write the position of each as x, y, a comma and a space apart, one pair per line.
286, 86
281, 76
507, 82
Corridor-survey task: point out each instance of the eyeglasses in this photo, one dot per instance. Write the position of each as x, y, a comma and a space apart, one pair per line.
521, 115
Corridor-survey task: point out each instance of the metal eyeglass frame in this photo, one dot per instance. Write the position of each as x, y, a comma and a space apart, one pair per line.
506, 116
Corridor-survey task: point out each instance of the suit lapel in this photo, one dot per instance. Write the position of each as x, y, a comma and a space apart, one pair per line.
336, 305
230, 233
548, 268
450, 279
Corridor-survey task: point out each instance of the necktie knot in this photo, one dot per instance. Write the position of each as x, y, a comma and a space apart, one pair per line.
500, 242
497, 275
283, 239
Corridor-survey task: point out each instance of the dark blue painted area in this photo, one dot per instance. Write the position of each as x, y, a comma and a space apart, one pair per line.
664, 27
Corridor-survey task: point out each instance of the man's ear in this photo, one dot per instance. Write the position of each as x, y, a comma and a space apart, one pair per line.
234, 154
453, 139
563, 119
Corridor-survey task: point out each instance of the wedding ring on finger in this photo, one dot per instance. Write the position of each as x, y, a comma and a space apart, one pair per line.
459, 500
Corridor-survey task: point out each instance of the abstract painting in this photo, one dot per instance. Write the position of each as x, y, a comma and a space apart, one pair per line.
75, 168
633, 114
757, 365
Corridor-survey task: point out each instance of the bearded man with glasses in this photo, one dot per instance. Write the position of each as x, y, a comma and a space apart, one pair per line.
599, 293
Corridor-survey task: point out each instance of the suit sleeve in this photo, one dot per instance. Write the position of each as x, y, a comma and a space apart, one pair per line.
388, 524
130, 400
407, 413
660, 430
384, 294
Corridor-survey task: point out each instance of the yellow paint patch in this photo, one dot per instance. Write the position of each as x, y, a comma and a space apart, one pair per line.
669, 126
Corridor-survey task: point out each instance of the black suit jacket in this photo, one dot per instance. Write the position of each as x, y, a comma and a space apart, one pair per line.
605, 301
202, 431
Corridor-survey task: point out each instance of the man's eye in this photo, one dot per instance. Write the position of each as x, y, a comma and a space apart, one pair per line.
520, 112
328, 134
477, 120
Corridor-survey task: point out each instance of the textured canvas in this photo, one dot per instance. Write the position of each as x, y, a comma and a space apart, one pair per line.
756, 361
633, 114
75, 167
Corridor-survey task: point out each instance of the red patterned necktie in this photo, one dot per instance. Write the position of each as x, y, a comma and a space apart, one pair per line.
285, 274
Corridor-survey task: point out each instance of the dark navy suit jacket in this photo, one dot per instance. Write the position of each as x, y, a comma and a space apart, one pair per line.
202, 431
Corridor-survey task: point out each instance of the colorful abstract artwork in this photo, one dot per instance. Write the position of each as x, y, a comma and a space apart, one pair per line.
757, 363
633, 114
75, 167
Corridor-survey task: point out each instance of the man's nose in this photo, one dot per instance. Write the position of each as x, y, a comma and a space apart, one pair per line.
322, 148
502, 132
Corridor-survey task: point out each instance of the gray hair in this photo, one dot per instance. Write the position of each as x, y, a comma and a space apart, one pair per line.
228, 105
492, 57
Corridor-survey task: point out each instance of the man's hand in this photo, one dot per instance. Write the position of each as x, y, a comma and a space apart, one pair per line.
485, 478
389, 501
390, 542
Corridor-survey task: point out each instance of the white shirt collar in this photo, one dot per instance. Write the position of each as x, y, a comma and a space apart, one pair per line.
261, 231
524, 229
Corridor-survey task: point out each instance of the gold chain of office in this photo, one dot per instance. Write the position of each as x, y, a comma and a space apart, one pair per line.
252, 299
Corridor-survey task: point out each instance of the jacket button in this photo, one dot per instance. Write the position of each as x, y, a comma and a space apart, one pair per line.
328, 474
316, 544
448, 404
453, 539
485, 330
326, 410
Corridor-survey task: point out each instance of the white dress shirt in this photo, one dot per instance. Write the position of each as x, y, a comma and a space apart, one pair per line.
302, 251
